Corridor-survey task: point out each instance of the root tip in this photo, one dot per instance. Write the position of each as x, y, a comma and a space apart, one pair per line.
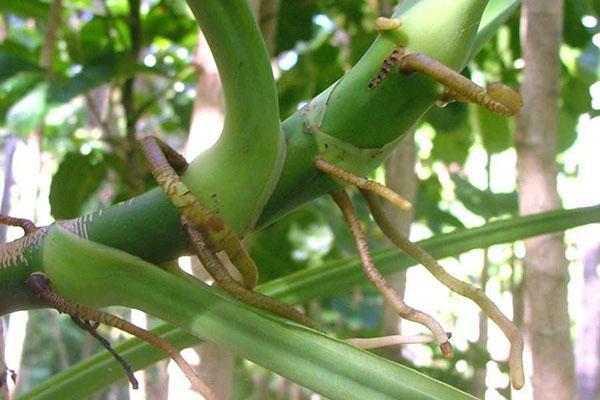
446, 349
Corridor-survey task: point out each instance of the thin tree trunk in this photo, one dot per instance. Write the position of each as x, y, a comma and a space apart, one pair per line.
401, 177
547, 316
588, 343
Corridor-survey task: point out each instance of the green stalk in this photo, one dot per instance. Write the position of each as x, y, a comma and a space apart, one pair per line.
250, 151
101, 370
148, 226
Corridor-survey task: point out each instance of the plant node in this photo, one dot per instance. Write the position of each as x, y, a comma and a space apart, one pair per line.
224, 280
166, 165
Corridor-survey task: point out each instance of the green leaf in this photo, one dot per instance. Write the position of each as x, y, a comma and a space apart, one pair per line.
101, 370
77, 179
27, 113
81, 269
12, 64
495, 131
14, 88
484, 202
91, 76
27, 9
452, 146
448, 118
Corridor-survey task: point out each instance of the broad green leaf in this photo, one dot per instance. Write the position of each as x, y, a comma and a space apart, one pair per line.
484, 202
27, 113
26, 9
77, 179
495, 131
14, 88
11, 64
448, 118
452, 146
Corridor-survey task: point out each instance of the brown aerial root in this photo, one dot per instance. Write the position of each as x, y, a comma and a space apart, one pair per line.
91, 328
509, 329
224, 280
39, 284
362, 183
343, 201
497, 98
25, 224
166, 165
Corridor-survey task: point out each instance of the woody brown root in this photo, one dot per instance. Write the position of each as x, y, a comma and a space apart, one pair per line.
498, 98
25, 224
224, 280
166, 165
509, 329
343, 201
39, 284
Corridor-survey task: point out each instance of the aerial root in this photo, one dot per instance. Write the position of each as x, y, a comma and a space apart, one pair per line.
393, 340
91, 328
362, 183
498, 98
166, 165
465, 289
39, 284
343, 201
225, 281
25, 224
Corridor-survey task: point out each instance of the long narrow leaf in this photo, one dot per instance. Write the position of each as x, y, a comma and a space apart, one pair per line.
101, 370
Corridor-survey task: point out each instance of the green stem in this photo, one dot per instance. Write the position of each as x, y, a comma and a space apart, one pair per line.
250, 151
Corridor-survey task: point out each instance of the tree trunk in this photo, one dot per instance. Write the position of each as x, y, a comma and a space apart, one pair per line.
588, 343
401, 177
546, 275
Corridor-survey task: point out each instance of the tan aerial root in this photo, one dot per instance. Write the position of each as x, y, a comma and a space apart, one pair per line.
39, 284
362, 183
497, 98
225, 281
343, 201
166, 165
509, 329
393, 340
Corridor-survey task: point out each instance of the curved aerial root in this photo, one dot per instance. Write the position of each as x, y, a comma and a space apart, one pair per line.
91, 328
166, 165
497, 98
25, 224
509, 329
222, 277
343, 201
394, 340
364, 184
39, 284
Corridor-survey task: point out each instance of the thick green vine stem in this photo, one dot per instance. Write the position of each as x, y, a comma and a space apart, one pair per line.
252, 134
